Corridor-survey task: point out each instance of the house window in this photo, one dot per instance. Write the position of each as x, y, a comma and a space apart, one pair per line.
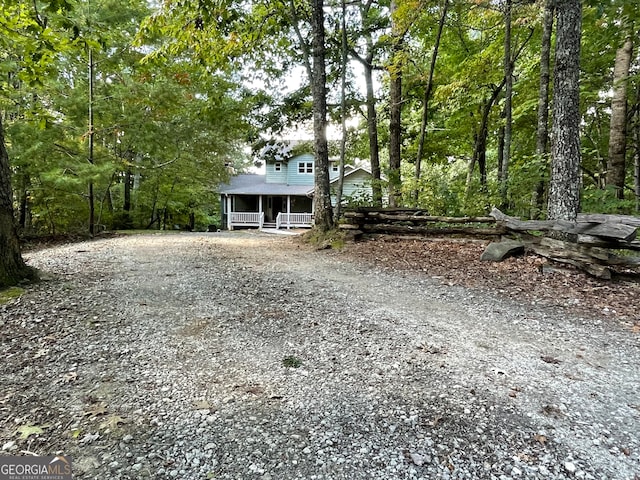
277, 167
334, 167
305, 167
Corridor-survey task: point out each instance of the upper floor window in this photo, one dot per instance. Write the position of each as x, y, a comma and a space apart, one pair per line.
305, 167
335, 167
277, 167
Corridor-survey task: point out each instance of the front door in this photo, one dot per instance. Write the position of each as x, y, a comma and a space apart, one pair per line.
275, 205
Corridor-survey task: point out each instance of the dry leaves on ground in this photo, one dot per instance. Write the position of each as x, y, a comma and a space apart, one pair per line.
528, 278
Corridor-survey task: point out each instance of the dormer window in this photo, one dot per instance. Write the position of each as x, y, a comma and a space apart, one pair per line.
335, 167
277, 167
305, 167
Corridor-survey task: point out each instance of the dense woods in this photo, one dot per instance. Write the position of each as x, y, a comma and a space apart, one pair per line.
129, 114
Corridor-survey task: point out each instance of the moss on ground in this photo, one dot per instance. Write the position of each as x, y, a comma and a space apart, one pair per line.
334, 238
10, 293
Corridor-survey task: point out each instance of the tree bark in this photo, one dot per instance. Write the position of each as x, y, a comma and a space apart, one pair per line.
542, 130
372, 129
636, 157
343, 110
92, 208
616, 165
323, 216
564, 189
372, 116
508, 86
395, 116
427, 98
13, 270
126, 206
480, 146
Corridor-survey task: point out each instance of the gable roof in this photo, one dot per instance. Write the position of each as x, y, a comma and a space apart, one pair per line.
255, 184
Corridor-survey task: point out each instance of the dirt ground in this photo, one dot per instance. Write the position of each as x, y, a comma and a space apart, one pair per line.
527, 279
240, 355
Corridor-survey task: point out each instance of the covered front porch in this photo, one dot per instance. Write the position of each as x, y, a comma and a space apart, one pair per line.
267, 211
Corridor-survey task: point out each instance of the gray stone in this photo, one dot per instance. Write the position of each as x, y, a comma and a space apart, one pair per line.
498, 251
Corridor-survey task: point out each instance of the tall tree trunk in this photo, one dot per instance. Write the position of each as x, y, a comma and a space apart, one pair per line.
616, 165
395, 116
343, 110
542, 129
427, 98
508, 94
23, 209
501, 141
636, 157
126, 206
92, 208
322, 195
372, 116
480, 146
13, 270
372, 129
564, 188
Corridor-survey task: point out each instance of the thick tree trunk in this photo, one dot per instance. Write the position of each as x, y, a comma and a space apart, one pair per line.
542, 130
13, 270
395, 118
427, 98
564, 188
323, 216
616, 165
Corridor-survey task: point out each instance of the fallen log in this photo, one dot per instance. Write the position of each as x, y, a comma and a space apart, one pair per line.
564, 252
608, 218
392, 228
613, 244
607, 230
430, 218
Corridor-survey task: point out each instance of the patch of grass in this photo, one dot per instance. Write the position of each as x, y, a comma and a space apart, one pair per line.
334, 238
10, 293
291, 362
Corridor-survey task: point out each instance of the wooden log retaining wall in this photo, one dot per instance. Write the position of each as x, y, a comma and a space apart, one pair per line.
592, 243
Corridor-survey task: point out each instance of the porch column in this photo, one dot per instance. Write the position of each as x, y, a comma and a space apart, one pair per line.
288, 212
229, 210
260, 209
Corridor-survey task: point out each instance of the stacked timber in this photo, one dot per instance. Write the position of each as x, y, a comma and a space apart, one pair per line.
416, 221
593, 245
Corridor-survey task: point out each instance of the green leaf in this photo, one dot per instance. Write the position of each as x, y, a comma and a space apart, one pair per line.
26, 431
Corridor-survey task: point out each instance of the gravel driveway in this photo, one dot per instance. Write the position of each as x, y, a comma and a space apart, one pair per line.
241, 355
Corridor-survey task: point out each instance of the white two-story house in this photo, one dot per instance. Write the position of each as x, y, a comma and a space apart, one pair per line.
283, 196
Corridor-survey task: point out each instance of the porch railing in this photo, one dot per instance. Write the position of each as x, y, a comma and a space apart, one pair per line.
248, 219
289, 220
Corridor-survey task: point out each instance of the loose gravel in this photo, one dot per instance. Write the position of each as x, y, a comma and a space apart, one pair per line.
240, 355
